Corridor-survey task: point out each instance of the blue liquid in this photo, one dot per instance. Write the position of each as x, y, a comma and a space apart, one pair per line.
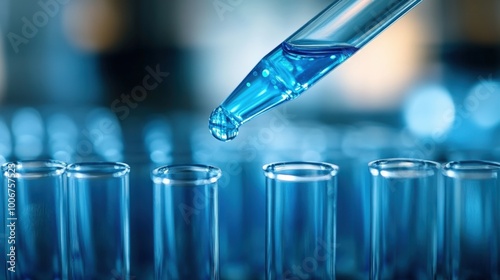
282, 75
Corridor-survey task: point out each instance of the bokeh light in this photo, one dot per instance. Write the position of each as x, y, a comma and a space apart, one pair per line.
158, 141
5, 142
104, 131
94, 25
62, 135
28, 131
429, 111
484, 102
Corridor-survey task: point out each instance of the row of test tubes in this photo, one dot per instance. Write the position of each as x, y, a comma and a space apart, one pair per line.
428, 221
65, 220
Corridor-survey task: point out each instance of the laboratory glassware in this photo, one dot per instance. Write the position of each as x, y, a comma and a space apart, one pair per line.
98, 198
302, 59
34, 220
404, 218
472, 215
186, 238
241, 206
300, 220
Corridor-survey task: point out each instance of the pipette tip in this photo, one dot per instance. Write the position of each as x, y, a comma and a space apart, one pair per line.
222, 126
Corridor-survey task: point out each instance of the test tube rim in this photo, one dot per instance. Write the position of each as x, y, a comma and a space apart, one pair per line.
472, 169
272, 171
34, 168
160, 174
97, 169
403, 168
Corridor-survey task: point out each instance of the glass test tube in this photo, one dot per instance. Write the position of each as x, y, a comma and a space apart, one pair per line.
34, 204
186, 238
300, 220
404, 219
305, 57
98, 195
472, 212
241, 207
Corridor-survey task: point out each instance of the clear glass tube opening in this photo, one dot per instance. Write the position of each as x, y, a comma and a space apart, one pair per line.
186, 237
472, 212
404, 217
472, 169
300, 220
34, 214
187, 175
98, 195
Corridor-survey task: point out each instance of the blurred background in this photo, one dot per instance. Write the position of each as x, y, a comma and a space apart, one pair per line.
135, 81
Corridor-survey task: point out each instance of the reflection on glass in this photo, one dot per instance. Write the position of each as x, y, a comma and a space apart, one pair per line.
472, 215
300, 220
34, 215
404, 219
98, 201
186, 234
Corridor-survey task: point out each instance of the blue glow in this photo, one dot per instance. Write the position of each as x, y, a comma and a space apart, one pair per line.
5, 142
484, 101
429, 111
28, 131
104, 131
158, 141
62, 134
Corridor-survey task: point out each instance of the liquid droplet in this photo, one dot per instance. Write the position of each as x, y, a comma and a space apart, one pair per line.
222, 126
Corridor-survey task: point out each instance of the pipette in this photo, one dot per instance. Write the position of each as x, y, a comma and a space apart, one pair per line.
309, 54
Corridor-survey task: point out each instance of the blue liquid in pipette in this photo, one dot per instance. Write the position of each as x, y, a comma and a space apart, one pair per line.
282, 75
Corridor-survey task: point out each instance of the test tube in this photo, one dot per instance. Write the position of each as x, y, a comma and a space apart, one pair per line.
98, 195
472, 212
302, 59
34, 220
186, 237
240, 204
300, 220
404, 218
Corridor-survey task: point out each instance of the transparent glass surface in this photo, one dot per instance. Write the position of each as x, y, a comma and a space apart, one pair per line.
300, 220
186, 238
241, 206
33, 204
472, 229
353, 215
404, 219
305, 57
98, 195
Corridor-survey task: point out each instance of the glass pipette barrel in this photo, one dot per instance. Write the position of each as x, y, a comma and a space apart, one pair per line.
302, 59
